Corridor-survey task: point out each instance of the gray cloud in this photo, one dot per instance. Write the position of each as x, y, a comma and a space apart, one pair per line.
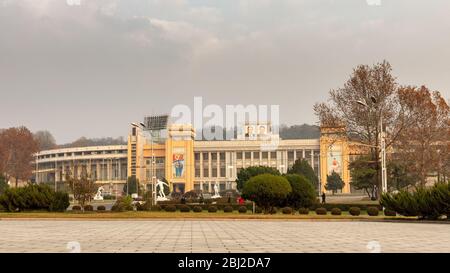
92, 69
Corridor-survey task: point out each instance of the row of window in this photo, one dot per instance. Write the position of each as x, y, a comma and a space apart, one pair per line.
83, 153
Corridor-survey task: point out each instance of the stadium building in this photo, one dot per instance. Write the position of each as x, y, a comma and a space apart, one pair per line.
155, 151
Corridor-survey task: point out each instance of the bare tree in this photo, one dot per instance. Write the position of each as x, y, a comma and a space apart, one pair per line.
424, 145
45, 140
377, 88
17, 149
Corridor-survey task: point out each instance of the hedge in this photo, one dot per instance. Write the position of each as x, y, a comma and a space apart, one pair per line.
34, 197
336, 211
303, 211
287, 210
426, 203
373, 211
242, 209
321, 211
354, 211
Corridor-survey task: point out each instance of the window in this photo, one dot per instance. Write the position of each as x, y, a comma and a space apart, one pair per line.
291, 155
265, 155
197, 156
213, 156
239, 155
214, 172
223, 172
273, 155
206, 172
222, 156
248, 155
205, 156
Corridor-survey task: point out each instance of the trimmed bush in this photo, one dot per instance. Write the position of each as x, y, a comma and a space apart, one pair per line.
336, 211
321, 211
185, 208
266, 190
303, 211
286, 210
258, 210
212, 209
372, 211
242, 209
198, 209
388, 212
354, 211
170, 208
88, 208
76, 208
228, 209
303, 194
273, 210
101, 208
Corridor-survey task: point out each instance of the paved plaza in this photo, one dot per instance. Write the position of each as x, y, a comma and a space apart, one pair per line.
221, 236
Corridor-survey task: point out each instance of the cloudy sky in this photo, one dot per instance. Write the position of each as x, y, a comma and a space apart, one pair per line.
91, 69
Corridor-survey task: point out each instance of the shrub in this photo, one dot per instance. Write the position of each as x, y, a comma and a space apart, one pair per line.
321, 211
427, 203
273, 210
101, 208
303, 193
88, 208
170, 208
303, 211
258, 210
212, 209
198, 209
242, 209
336, 211
185, 208
60, 202
30, 197
354, 211
372, 211
287, 210
76, 208
266, 190
228, 209
123, 204
388, 212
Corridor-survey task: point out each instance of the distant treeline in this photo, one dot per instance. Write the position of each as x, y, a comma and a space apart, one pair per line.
304, 131
87, 142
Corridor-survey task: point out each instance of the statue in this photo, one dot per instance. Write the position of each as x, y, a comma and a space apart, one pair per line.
161, 196
216, 191
99, 195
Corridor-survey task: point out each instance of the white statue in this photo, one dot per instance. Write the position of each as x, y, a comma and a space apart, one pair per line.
161, 194
99, 195
216, 191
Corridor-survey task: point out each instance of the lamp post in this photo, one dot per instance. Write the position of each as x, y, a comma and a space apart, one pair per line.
381, 145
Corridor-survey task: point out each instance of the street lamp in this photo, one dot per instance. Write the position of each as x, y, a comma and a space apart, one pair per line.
382, 144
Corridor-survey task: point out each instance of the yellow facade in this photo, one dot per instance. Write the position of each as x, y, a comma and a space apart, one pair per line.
334, 156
